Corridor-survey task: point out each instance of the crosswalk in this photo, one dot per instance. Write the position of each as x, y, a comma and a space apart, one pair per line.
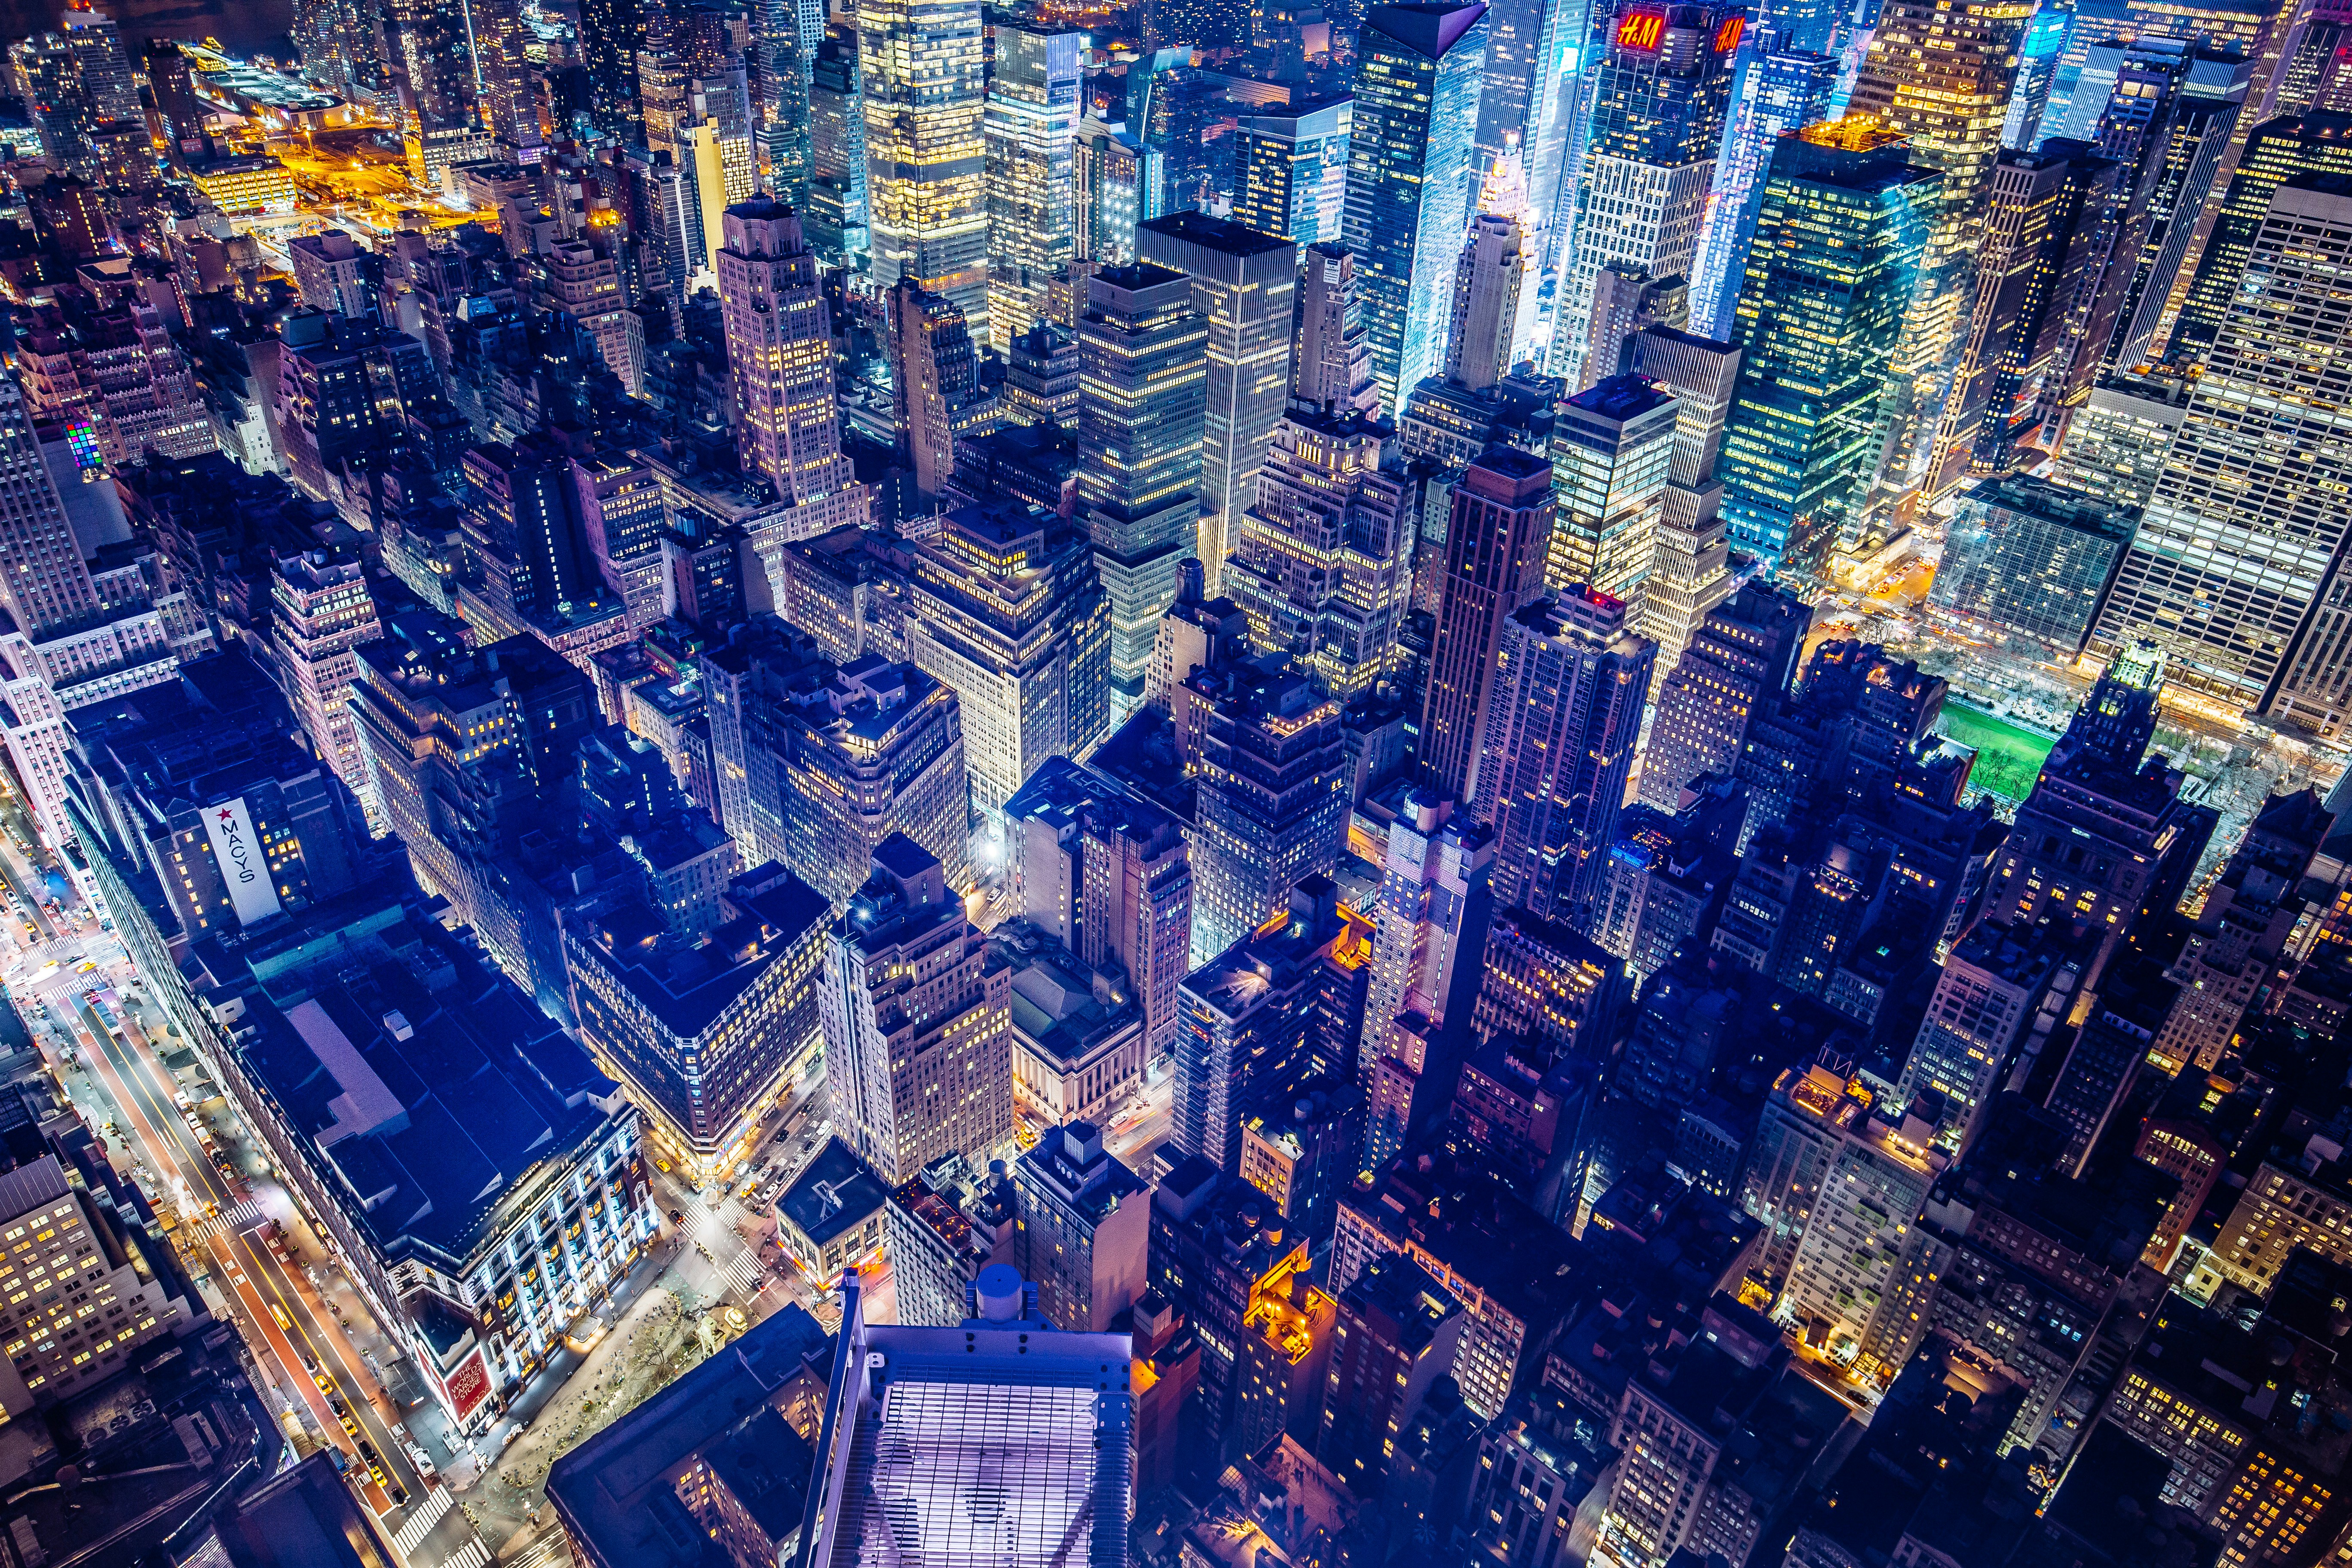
228, 1222
473, 1554
420, 1524
743, 1270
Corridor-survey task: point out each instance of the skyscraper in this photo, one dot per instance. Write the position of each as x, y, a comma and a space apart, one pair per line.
2037, 69
2044, 238
780, 356
2233, 572
1612, 446
920, 65
1419, 75
1290, 170
837, 214
610, 34
1008, 610
1785, 88
1273, 800
2023, 557
1820, 307
1494, 542
935, 377
1322, 561
1938, 72
1333, 359
1143, 391
2276, 151
917, 1024
1573, 682
1244, 284
1690, 565
1431, 937
1739, 658
1657, 128
1031, 122
1485, 303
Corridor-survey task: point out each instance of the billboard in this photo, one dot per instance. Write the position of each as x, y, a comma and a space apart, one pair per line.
468, 1385
243, 869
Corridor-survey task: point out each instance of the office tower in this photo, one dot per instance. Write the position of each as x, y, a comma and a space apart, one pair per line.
706, 1027
2315, 142
1143, 388
920, 65
1398, 1331
1109, 875
1084, 1229
1273, 800
320, 611
1290, 170
1031, 122
1656, 124
2037, 69
2174, 118
1820, 307
917, 1024
612, 35
1264, 1020
1334, 354
2023, 557
1500, 525
1008, 610
935, 379
1568, 709
2050, 226
1485, 303
2116, 441
1052, 1408
437, 64
2239, 499
779, 358
1612, 446
1690, 567
781, 60
1838, 1189
1739, 658
878, 750
837, 212
586, 287
1938, 73
1420, 70
1117, 182
1245, 284
1784, 89
1984, 1005
330, 273
1322, 561
1517, 88
1430, 937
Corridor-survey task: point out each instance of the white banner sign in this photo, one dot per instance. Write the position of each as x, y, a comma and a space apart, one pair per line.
243, 869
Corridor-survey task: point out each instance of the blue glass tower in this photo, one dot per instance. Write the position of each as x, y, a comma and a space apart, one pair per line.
1419, 72
1781, 90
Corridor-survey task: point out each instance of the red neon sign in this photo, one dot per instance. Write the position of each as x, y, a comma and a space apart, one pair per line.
1641, 29
1727, 37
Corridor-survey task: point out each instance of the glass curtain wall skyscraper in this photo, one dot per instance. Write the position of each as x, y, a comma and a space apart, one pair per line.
1940, 73
922, 66
1031, 121
1420, 70
1821, 309
1781, 90
1657, 128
